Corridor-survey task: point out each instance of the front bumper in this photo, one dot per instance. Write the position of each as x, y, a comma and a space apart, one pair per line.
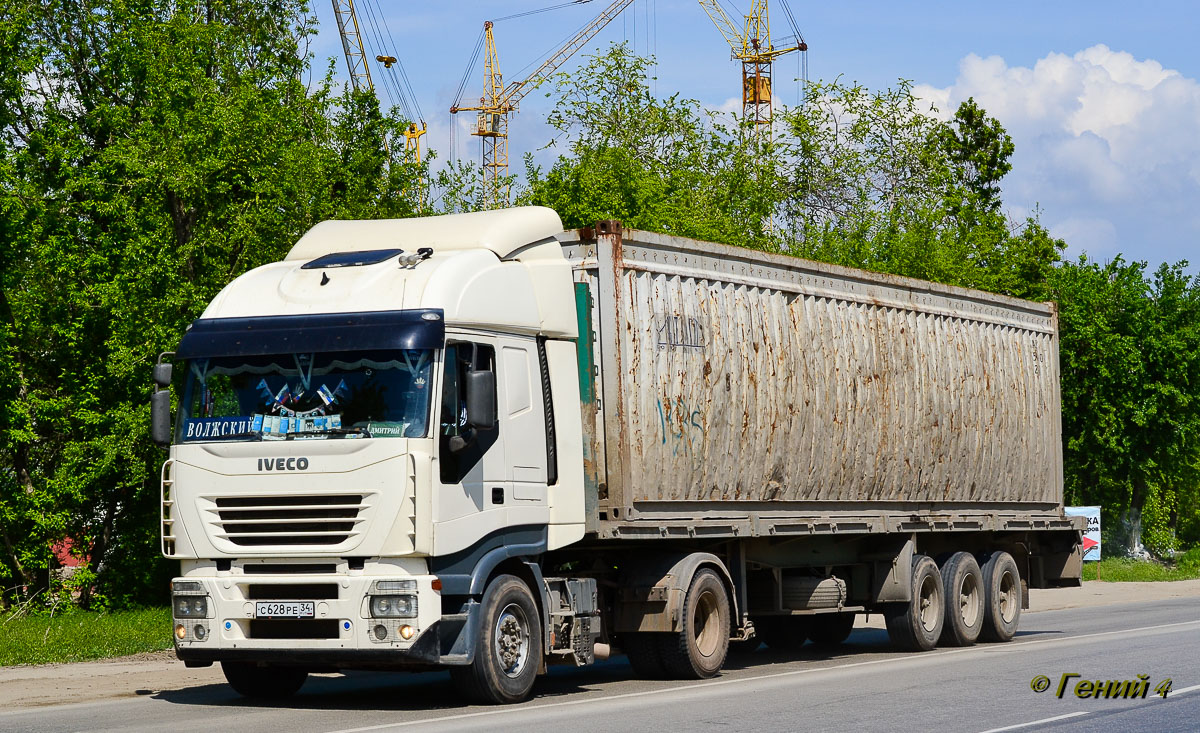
341, 632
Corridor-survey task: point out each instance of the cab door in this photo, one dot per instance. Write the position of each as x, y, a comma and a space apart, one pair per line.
472, 469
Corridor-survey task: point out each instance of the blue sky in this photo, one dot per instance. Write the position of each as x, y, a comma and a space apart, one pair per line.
1102, 98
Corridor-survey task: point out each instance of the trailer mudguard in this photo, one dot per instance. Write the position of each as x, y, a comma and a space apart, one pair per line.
652, 593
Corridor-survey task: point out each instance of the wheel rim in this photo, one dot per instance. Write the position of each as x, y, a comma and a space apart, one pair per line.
706, 624
970, 602
1007, 597
929, 605
512, 640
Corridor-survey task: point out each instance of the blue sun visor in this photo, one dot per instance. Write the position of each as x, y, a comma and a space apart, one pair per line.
318, 332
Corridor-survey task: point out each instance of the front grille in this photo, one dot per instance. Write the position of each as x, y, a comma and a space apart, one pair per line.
288, 520
294, 629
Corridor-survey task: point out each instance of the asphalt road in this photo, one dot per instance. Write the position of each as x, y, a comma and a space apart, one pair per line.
863, 687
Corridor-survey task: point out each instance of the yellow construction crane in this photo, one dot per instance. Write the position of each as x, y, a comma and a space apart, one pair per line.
752, 46
360, 72
500, 101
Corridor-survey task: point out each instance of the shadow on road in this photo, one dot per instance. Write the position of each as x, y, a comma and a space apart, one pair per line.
433, 691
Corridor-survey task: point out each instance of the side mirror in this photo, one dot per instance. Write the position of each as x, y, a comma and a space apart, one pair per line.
481, 399
162, 375
160, 415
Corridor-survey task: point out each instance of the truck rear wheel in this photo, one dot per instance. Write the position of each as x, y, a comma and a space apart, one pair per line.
963, 585
828, 630
263, 683
697, 651
1002, 597
915, 626
508, 651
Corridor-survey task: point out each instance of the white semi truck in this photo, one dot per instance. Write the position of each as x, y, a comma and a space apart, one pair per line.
482, 443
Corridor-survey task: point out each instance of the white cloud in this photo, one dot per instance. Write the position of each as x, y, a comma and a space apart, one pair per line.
1107, 144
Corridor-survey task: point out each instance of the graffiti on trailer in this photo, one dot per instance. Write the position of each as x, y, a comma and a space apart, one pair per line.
678, 332
684, 427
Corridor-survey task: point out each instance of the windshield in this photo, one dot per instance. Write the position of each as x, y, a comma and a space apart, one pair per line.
351, 394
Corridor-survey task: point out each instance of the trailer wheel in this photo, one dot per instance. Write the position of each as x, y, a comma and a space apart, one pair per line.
784, 633
915, 626
829, 630
263, 683
508, 651
644, 651
697, 651
1002, 597
962, 582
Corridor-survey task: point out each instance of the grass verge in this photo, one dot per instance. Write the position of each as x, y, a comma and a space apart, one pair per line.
77, 636
1122, 570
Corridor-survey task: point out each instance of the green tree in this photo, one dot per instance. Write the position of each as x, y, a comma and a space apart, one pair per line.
978, 150
657, 164
152, 150
1130, 360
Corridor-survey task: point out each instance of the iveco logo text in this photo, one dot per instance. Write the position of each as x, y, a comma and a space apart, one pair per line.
283, 464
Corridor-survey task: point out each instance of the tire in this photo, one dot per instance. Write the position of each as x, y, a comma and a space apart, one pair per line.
916, 626
508, 652
783, 633
829, 630
1002, 597
962, 582
644, 651
697, 651
263, 683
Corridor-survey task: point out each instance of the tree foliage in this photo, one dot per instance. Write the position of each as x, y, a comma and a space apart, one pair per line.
151, 151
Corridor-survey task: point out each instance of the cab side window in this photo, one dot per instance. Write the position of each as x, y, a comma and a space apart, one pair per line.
462, 357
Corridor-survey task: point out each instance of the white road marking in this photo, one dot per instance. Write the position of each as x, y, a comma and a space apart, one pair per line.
1173, 693
790, 673
1036, 722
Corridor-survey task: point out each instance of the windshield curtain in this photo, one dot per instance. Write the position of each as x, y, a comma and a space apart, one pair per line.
382, 394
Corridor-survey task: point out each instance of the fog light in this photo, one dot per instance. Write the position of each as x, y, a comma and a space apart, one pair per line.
200, 632
180, 631
380, 632
406, 632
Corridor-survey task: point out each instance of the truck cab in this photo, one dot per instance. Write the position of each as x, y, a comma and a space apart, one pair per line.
366, 432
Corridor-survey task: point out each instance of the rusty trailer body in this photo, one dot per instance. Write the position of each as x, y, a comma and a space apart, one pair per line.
737, 393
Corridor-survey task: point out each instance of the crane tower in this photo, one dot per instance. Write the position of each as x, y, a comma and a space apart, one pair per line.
753, 47
500, 101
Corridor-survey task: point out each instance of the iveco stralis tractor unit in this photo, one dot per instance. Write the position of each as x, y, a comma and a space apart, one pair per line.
479, 442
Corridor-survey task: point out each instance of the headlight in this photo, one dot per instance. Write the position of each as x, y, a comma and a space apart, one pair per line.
186, 586
393, 606
190, 606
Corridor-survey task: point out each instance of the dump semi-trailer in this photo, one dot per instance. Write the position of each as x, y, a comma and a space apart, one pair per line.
481, 443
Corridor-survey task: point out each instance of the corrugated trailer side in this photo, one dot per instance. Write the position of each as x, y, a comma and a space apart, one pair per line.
741, 392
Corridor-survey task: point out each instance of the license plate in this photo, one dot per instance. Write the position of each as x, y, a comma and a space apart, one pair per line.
284, 609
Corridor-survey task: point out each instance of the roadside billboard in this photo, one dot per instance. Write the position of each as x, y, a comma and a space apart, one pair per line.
1091, 537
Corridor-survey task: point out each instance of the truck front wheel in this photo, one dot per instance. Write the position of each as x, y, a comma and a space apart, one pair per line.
264, 683
508, 651
697, 651
915, 626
